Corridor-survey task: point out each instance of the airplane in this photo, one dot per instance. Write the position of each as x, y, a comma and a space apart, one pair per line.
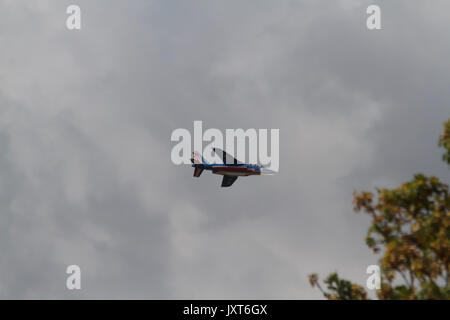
230, 170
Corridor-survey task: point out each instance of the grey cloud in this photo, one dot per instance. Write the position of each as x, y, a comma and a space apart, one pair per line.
86, 119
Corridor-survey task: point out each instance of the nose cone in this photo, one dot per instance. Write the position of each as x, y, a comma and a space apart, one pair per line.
265, 171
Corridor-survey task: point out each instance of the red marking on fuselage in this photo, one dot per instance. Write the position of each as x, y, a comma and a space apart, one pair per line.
249, 171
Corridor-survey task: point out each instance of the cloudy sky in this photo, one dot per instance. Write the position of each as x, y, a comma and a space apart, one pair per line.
86, 118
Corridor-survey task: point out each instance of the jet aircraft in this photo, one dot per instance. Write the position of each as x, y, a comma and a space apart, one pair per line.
230, 169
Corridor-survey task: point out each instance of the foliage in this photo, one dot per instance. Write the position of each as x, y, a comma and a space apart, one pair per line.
339, 288
444, 141
411, 229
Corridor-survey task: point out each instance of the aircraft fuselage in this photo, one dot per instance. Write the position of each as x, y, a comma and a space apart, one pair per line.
232, 169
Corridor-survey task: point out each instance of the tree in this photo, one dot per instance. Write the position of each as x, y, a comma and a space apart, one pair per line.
410, 228
444, 141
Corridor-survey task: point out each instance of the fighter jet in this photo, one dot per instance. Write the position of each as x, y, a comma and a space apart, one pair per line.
231, 168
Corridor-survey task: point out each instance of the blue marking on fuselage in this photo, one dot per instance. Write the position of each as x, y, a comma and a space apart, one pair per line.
220, 165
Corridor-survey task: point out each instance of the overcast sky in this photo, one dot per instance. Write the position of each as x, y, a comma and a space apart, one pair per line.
86, 118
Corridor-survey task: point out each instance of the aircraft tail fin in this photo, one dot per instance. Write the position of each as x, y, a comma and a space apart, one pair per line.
198, 159
198, 163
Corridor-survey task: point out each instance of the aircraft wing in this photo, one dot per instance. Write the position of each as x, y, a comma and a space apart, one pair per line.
228, 180
226, 158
